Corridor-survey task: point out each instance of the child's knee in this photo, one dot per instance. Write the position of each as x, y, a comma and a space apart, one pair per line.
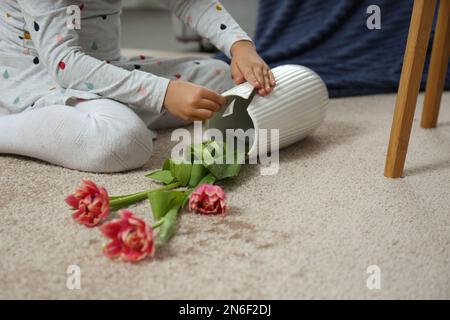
132, 147
118, 143
121, 148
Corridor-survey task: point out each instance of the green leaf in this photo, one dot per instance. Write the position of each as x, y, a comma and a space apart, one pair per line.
198, 172
181, 171
211, 152
161, 201
223, 171
164, 176
167, 229
167, 164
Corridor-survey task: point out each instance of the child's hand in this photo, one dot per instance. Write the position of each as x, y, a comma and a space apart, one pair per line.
191, 102
247, 65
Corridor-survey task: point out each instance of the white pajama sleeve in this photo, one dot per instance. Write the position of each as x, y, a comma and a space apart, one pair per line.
210, 20
58, 49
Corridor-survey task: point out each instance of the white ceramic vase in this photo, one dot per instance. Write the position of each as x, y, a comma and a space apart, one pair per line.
296, 107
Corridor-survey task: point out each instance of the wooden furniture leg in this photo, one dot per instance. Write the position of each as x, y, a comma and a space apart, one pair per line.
413, 64
438, 67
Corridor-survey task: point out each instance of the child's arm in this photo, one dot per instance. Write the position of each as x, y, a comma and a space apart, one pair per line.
211, 20
58, 49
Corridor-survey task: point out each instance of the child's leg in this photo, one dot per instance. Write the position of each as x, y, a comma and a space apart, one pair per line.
97, 135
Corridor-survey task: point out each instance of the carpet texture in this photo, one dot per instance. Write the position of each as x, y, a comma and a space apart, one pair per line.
309, 232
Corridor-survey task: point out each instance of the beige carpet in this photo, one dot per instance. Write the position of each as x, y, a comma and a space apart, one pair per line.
309, 232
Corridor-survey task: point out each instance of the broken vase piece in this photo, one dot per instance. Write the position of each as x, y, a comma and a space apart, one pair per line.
297, 106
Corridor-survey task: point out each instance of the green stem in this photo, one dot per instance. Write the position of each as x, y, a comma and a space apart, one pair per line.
158, 224
129, 197
168, 228
186, 196
170, 186
120, 201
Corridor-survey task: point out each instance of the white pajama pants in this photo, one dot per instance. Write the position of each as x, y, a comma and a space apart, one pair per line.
97, 135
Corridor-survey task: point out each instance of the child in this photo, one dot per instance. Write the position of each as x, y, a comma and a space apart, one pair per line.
71, 99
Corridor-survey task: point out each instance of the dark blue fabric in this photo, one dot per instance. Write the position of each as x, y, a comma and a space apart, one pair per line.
331, 38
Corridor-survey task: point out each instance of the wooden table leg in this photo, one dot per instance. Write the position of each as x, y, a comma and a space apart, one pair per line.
438, 67
413, 64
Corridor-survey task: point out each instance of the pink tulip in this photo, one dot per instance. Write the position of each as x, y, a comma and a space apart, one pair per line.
91, 203
132, 238
208, 199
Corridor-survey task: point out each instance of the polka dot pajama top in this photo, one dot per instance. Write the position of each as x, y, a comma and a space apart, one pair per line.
43, 62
